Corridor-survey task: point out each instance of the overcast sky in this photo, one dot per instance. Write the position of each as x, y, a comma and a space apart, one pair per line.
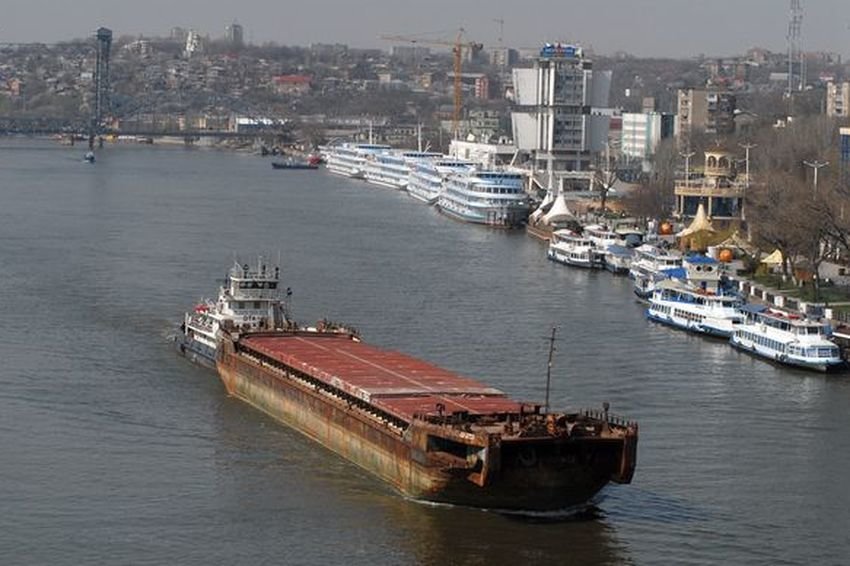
676, 28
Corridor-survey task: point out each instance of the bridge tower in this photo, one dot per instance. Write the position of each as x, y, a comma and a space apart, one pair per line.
102, 90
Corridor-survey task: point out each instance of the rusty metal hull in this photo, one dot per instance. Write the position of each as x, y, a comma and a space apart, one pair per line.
518, 474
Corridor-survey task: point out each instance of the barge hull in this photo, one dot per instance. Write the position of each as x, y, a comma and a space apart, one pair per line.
548, 474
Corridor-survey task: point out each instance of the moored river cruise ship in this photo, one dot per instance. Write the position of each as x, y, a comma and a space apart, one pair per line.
428, 177
349, 159
392, 168
494, 198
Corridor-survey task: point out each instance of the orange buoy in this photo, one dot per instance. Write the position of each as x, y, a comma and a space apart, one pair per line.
725, 255
665, 229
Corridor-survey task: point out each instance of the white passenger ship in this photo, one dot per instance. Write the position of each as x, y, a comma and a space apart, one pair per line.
429, 175
680, 305
494, 198
349, 159
249, 299
786, 338
577, 250
392, 168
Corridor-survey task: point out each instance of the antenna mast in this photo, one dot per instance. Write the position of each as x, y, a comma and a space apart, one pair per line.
795, 55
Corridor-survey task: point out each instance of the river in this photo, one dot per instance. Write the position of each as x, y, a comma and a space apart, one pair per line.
116, 450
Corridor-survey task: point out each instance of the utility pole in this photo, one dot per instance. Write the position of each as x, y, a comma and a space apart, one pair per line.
747, 147
816, 165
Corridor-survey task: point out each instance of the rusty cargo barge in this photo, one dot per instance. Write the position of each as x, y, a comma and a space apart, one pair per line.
432, 434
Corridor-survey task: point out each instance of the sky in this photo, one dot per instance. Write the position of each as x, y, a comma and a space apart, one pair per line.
664, 28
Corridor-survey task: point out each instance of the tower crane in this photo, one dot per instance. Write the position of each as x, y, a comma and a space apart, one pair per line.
458, 46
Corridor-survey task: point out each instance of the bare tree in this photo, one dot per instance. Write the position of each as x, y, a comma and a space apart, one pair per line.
604, 177
770, 213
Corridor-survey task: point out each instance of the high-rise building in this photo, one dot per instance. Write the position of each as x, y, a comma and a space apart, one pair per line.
194, 43
707, 110
641, 133
178, 34
234, 35
503, 57
561, 114
838, 99
410, 54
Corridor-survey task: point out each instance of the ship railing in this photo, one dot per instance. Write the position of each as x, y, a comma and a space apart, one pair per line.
608, 417
199, 321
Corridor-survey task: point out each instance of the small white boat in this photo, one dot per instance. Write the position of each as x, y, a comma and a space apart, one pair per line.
618, 259
648, 266
573, 249
680, 305
787, 338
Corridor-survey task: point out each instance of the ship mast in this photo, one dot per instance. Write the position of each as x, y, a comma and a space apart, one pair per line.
549, 368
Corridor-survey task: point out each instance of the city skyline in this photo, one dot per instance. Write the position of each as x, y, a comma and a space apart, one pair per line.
646, 28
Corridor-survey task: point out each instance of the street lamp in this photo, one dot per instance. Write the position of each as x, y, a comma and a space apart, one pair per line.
687, 156
816, 165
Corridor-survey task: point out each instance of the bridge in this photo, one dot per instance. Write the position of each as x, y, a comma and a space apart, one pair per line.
130, 116
12, 125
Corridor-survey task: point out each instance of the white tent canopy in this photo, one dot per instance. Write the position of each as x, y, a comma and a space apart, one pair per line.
547, 200
701, 223
559, 211
774, 258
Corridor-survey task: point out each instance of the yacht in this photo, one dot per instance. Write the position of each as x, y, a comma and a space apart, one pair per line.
429, 175
787, 338
349, 159
392, 168
675, 303
248, 300
491, 197
574, 249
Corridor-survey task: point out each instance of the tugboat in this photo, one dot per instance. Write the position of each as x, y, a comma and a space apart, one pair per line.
249, 300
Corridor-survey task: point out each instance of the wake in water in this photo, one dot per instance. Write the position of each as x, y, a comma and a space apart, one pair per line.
584, 512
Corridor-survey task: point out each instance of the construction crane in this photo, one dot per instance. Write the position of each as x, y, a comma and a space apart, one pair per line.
458, 45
